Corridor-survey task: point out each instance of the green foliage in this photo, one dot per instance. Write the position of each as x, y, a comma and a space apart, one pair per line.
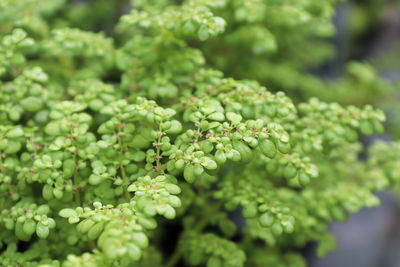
278, 42
106, 140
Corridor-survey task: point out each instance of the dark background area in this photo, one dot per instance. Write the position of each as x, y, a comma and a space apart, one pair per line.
370, 238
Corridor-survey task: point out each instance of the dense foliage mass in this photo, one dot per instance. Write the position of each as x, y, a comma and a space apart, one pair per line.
109, 142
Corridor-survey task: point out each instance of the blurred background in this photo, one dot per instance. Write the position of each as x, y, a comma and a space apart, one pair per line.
369, 31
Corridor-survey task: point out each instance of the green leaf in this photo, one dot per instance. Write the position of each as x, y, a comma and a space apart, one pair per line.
52, 128
288, 227
268, 148
304, 179
140, 239
66, 213
18, 35
214, 262
210, 164
95, 230
233, 117
96, 104
249, 211
95, 179
85, 225
15, 132
169, 212
277, 229
203, 33
173, 189
245, 152
378, 127
220, 157
283, 147
58, 193
12, 147
188, 173
188, 27
266, 220
179, 164
42, 231
198, 169
351, 135
147, 223
47, 192
217, 116
73, 219
366, 127
149, 209
20, 233
139, 156
29, 226
134, 252
32, 104
174, 201
69, 166
289, 171
176, 127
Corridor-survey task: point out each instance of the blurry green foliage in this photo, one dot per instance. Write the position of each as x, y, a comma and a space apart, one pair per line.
106, 138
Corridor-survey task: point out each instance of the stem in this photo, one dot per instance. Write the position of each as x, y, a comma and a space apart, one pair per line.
77, 193
123, 173
175, 258
127, 195
160, 134
77, 198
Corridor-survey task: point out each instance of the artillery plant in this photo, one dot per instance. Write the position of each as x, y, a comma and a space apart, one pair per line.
131, 151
